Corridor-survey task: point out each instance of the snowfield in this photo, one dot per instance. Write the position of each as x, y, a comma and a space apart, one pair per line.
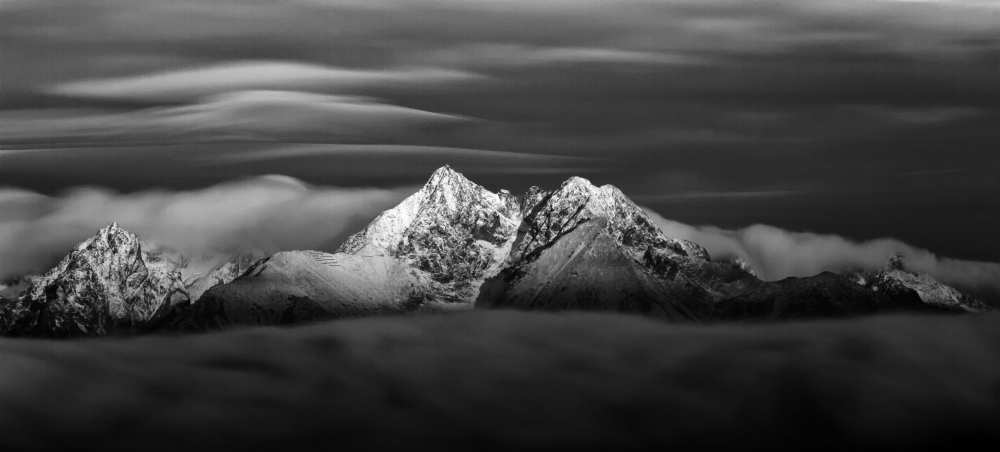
510, 380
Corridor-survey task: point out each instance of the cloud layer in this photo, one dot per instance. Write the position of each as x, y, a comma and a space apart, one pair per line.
776, 253
263, 214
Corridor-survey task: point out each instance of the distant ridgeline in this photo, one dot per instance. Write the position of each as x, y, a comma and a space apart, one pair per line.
452, 245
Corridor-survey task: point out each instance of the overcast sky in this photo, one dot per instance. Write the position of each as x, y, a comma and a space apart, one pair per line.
864, 118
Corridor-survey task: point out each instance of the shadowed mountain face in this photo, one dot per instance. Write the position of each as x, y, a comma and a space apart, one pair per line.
586, 270
514, 381
299, 286
824, 295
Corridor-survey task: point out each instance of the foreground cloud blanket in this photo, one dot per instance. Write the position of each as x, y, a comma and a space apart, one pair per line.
514, 381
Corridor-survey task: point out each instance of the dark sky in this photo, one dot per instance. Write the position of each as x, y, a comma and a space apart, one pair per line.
865, 118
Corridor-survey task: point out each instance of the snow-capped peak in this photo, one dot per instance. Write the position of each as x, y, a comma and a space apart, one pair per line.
446, 175
106, 281
110, 236
452, 228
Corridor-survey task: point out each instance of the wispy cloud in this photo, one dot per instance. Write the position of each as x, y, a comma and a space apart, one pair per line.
387, 151
185, 84
513, 55
698, 195
257, 114
917, 116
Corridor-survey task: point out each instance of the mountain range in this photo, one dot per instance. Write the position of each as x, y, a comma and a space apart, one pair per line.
452, 245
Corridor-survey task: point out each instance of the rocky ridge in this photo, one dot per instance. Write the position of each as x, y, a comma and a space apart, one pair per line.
895, 278
112, 282
453, 243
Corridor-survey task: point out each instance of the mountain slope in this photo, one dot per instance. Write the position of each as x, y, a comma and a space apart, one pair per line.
588, 247
586, 269
217, 272
831, 295
296, 286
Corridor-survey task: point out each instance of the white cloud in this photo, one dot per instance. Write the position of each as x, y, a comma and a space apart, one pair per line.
266, 214
387, 151
244, 114
197, 82
522, 55
280, 112
915, 116
776, 253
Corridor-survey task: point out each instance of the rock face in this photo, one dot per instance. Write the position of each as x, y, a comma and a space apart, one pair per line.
109, 283
550, 216
587, 269
454, 230
589, 247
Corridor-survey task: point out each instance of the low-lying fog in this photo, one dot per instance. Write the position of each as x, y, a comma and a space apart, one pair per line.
509, 380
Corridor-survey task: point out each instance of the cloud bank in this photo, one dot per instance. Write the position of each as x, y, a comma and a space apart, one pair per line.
776, 253
265, 214
603, 382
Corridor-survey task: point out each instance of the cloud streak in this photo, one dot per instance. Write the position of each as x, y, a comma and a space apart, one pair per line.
391, 151
249, 115
189, 83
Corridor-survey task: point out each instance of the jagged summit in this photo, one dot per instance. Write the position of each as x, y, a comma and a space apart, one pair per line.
110, 236
452, 228
108, 281
446, 175
587, 247
550, 215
